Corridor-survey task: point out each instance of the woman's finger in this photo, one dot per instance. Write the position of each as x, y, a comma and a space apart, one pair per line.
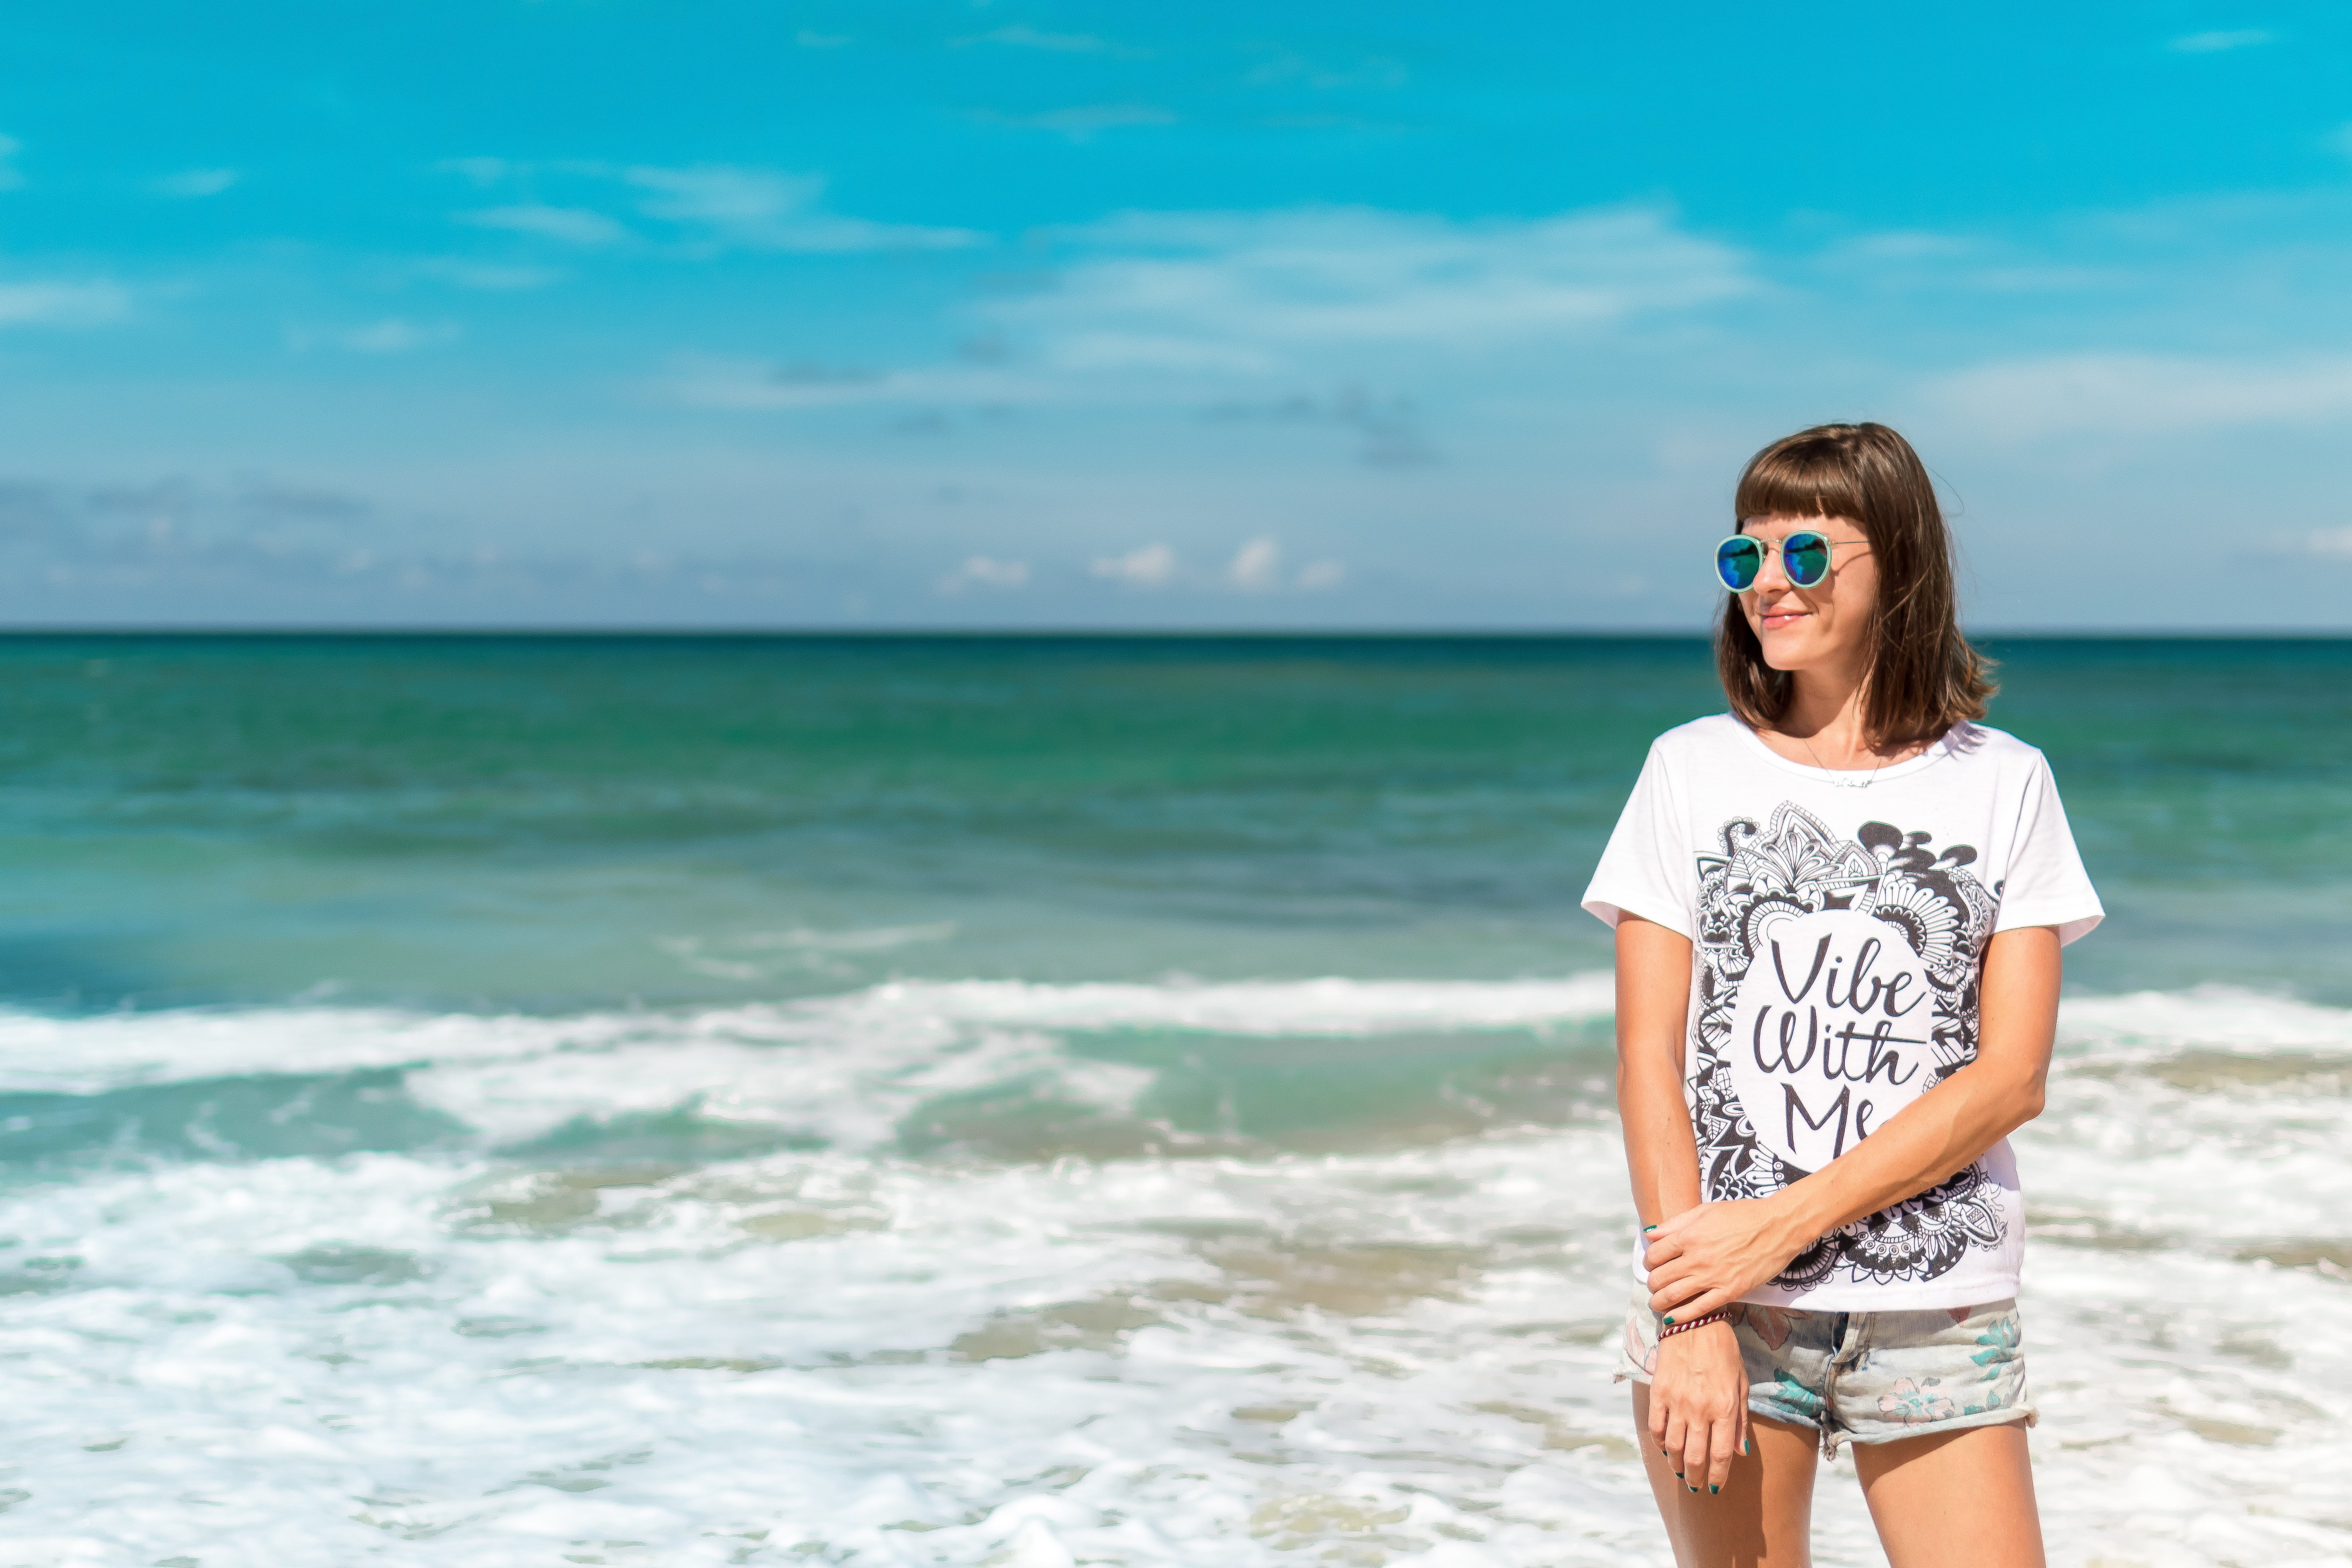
1723, 1446
1672, 1298
1673, 1276
1691, 1454
1677, 1433
1661, 1248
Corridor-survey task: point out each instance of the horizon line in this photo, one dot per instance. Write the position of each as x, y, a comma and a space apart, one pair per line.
1523, 634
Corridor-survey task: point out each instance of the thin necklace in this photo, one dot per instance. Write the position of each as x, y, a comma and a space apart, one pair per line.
1835, 778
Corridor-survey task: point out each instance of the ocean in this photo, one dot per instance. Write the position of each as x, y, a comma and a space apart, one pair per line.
1029, 1101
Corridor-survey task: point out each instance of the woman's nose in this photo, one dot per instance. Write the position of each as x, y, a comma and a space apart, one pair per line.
1771, 574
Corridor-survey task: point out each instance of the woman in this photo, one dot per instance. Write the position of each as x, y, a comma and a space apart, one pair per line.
1839, 910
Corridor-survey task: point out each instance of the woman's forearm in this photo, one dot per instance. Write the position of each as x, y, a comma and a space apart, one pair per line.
1952, 1125
1944, 1131
1661, 1152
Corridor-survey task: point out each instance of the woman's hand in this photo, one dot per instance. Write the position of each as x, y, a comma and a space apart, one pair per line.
1709, 1257
1698, 1405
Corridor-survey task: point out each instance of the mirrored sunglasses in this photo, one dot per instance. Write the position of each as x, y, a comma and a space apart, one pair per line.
1804, 557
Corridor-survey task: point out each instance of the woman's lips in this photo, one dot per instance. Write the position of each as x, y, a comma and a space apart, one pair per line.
1775, 619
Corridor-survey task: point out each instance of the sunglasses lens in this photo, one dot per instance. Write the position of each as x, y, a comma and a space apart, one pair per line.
1806, 558
1738, 562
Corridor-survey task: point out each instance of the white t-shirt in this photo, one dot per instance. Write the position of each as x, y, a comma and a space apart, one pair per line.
1838, 922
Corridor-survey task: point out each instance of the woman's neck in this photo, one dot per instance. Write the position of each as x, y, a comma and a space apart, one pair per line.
1826, 724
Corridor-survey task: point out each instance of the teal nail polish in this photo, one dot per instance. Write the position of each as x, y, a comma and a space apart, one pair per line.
1648, 1228
1711, 1490
1668, 1319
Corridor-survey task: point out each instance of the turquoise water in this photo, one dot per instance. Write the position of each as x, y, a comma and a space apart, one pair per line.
478, 1099
554, 824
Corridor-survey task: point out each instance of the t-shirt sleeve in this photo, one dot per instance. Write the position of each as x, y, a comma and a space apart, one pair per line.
2046, 885
1647, 870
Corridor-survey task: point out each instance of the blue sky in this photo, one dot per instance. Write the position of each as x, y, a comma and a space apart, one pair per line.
590, 313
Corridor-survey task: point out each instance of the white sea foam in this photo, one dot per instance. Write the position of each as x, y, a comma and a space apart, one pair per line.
88, 1055
91, 1055
1397, 1356
2223, 1018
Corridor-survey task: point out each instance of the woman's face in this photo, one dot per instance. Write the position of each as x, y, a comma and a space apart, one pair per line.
1823, 627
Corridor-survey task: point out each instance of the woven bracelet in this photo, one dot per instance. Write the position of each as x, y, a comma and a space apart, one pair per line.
1702, 1320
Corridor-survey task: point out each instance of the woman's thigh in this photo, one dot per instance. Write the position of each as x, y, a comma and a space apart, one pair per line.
1763, 1518
1954, 1500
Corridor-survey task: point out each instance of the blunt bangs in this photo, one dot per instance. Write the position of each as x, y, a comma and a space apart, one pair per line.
1801, 479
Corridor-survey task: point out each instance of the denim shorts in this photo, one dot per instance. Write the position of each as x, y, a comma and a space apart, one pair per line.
1865, 1377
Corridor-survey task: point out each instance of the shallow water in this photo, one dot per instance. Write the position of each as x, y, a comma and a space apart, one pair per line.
476, 1101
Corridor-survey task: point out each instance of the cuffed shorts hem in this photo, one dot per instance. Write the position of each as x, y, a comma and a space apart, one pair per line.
2024, 1414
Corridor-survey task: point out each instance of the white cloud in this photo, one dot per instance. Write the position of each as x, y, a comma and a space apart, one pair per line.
1229, 290
711, 383
2120, 394
2218, 42
723, 195
1022, 36
189, 185
1085, 122
773, 210
1085, 350
1154, 309
1322, 574
810, 38
62, 304
985, 571
717, 204
2340, 140
10, 179
1146, 567
573, 226
2331, 542
1255, 566
391, 336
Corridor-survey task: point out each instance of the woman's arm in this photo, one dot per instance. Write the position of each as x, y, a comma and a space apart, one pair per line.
1711, 1256
1699, 1389
1653, 977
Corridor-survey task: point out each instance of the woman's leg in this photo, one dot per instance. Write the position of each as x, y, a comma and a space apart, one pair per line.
1764, 1516
1954, 1500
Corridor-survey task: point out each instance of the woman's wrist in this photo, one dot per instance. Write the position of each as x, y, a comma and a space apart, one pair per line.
1794, 1223
1709, 1339
1671, 1327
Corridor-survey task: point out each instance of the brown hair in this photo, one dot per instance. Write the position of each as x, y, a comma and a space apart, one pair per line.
1923, 676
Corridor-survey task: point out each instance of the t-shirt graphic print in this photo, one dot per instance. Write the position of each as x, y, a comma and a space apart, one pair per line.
1838, 931
1837, 986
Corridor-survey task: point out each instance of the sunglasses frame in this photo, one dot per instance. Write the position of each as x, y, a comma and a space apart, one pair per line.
1769, 547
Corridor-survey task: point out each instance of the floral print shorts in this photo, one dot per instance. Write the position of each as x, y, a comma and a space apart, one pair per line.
1866, 1377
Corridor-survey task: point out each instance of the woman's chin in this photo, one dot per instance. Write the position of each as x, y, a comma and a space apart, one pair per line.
1789, 655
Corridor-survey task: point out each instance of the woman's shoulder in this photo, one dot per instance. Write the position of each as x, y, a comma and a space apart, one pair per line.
1982, 743
1707, 734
